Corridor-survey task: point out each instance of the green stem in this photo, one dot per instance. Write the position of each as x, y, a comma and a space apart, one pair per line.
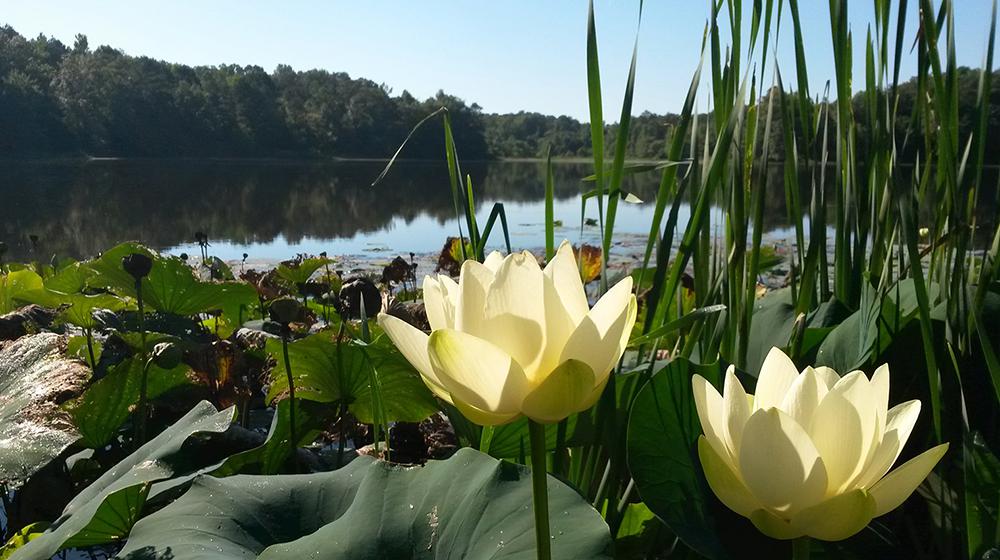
343, 435
90, 348
800, 548
293, 442
539, 475
142, 316
142, 410
559, 459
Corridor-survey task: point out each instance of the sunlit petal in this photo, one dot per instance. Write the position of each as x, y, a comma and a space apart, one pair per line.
736, 408
892, 491
473, 285
599, 340
804, 396
724, 481
829, 376
477, 372
436, 304
708, 403
774, 526
564, 275
563, 392
779, 463
412, 344
514, 316
899, 424
776, 375
837, 518
493, 261
843, 428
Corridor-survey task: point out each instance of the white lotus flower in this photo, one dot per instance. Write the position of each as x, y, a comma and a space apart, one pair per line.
807, 455
510, 339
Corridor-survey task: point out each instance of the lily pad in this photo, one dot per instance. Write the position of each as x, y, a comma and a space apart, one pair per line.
371, 509
34, 375
106, 510
107, 404
171, 286
15, 285
325, 371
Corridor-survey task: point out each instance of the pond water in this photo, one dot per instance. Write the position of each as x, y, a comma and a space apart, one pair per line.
272, 211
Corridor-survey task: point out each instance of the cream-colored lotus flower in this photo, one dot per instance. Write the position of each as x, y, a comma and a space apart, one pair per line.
807, 455
510, 339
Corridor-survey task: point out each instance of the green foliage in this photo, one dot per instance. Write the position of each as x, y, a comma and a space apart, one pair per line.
105, 510
328, 372
33, 431
663, 433
370, 509
15, 286
108, 403
297, 272
171, 286
270, 457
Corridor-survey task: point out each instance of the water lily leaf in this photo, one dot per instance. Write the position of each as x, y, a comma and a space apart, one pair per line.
108, 403
662, 438
272, 455
371, 509
325, 371
773, 317
72, 279
851, 343
92, 517
81, 308
298, 272
77, 348
171, 286
15, 285
981, 470
34, 373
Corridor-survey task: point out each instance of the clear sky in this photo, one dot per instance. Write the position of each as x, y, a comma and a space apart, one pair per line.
507, 56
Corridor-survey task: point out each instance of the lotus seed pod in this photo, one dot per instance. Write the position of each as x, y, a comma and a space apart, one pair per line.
285, 310
137, 265
167, 355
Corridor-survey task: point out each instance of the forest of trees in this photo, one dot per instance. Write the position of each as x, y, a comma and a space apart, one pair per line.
72, 101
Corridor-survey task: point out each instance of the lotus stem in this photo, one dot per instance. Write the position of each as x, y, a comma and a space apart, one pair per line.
543, 541
800, 548
142, 319
291, 393
142, 410
90, 347
343, 435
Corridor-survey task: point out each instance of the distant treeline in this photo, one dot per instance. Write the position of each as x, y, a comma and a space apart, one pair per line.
61, 100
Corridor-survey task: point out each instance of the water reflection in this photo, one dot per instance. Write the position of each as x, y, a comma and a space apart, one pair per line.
272, 210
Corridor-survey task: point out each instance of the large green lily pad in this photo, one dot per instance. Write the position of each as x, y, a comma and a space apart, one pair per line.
470, 506
107, 509
34, 375
328, 372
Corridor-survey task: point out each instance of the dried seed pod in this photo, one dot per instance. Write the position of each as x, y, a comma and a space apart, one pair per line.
137, 265
167, 355
285, 310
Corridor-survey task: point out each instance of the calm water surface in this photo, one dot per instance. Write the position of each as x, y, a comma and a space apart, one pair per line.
275, 210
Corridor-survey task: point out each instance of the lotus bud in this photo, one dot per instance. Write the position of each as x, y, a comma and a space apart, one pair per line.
809, 453
184, 257
137, 265
167, 355
285, 311
511, 339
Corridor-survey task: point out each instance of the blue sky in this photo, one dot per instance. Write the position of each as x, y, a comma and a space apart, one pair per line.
506, 56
